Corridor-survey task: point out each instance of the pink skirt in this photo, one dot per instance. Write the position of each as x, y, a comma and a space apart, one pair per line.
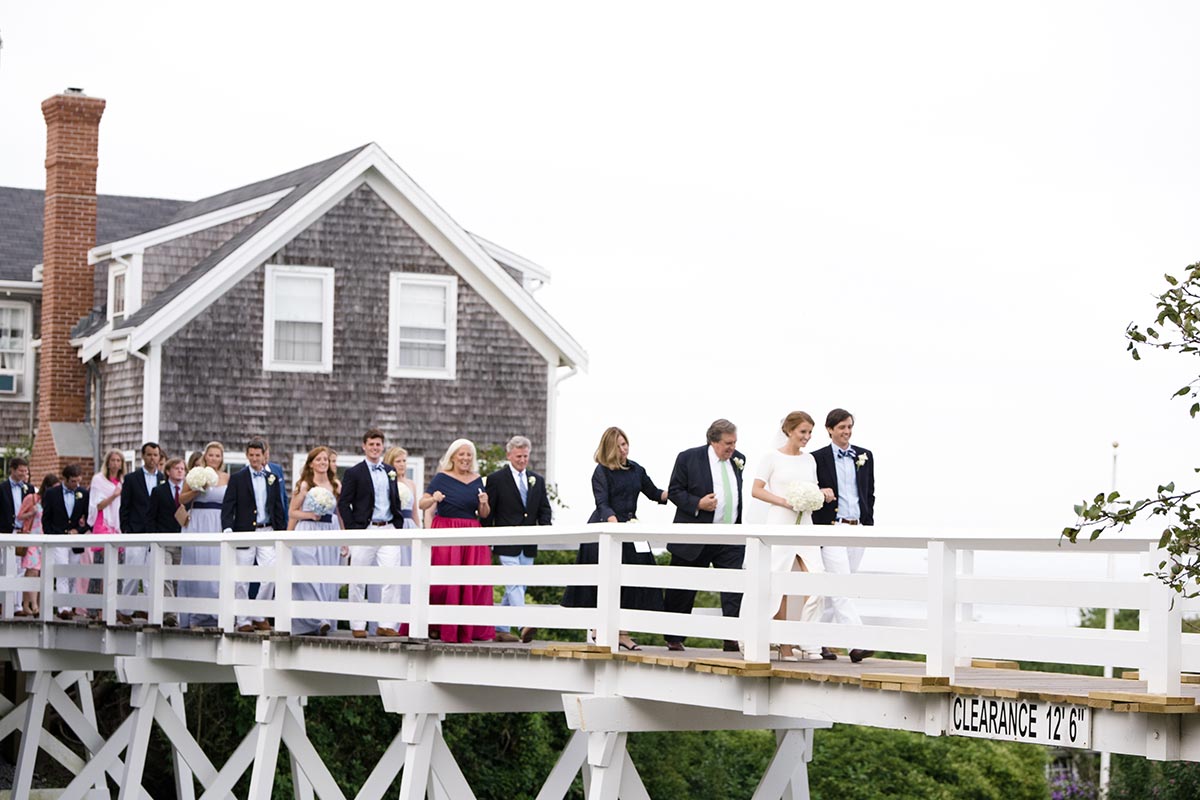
461, 555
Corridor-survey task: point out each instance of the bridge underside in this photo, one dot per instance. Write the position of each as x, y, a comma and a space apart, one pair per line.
604, 696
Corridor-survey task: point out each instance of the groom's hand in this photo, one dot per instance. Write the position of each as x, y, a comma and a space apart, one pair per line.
708, 502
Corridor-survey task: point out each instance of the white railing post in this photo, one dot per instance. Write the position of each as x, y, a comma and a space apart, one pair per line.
226, 584
608, 594
48, 607
283, 586
109, 607
1162, 619
966, 560
939, 656
155, 595
756, 601
12, 569
422, 555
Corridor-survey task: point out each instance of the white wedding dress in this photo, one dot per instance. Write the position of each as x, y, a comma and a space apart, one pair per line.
778, 471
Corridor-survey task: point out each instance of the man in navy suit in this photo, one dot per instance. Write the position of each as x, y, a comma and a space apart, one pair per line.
370, 500
135, 518
850, 473
706, 487
253, 503
278, 470
517, 496
15, 490
64, 513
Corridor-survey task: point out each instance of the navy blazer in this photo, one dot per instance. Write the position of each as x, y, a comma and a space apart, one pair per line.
691, 480
504, 498
283, 492
135, 502
356, 503
55, 519
239, 510
162, 508
864, 476
8, 514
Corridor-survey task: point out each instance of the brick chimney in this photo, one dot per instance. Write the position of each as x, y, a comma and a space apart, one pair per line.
72, 146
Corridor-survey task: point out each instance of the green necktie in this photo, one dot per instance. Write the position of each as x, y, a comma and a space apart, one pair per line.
728, 492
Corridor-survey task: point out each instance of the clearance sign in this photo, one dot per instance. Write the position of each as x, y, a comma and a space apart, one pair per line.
1038, 722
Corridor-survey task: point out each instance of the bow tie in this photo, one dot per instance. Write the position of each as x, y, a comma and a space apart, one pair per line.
262, 474
377, 468
846, 453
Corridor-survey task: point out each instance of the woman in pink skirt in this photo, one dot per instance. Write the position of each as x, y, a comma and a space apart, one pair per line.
457, 491
104, 512
31, 520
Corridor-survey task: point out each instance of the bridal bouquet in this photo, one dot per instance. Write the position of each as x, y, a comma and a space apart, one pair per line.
320, 500
201, 478
804, 496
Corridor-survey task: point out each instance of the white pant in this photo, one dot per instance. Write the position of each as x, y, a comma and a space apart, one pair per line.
389, 556
513, 595
139, 557
264, 556
63, 555
841, 561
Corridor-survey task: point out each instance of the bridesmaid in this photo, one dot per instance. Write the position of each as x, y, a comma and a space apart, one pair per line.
397, 459
30, 515
457, 492
616, 484
305, 513
204, 517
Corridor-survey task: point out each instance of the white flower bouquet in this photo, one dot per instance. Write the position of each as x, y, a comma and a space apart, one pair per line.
804, 496
200, 478
320, 501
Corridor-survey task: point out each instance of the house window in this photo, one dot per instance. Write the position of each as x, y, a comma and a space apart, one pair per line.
14, 350
422, 310
117, 280
298, 319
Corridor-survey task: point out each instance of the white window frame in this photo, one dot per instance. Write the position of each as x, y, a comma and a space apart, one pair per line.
118, 270
326, 274
26, 378
397, 280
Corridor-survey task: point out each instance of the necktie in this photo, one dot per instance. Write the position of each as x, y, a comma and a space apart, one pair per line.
176, 491
524, 488
729, 499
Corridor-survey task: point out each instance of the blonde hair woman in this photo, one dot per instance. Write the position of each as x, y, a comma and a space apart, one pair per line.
456, 493
616, 484
204, 516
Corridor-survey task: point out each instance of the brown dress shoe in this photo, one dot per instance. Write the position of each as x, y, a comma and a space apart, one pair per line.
124, 619
828, 654
676, 647
505, 636
140, 615
857, 655
323, 630
357, 634
731, 646
262, 625
527, 634
247, 628
66, 616
386, 632
170, 621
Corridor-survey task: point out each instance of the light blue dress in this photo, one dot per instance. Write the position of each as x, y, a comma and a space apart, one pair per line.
205, 517
313, 556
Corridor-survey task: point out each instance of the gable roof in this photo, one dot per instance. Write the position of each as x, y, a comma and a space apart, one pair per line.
288, 204
21, 218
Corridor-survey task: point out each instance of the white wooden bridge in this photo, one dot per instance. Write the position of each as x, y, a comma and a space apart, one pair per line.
965, 686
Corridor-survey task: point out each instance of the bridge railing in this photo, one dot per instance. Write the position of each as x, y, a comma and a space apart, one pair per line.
947, 588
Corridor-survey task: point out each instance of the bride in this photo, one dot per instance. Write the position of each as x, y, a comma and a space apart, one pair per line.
777, 471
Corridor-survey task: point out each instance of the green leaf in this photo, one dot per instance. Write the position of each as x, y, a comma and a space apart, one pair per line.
1166, 537
1171, 280
1079, 507
1112, 496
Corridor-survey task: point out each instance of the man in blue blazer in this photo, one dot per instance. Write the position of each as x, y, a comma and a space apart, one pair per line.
64, 513
706, 488
15, 490
850, 473
253, 503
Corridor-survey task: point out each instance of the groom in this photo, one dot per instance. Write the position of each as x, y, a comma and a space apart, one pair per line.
706, 487
850, 473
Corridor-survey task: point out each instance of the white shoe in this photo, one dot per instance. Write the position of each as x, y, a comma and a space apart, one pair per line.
810, 655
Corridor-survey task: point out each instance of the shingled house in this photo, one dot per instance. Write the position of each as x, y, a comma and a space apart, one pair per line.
308, 307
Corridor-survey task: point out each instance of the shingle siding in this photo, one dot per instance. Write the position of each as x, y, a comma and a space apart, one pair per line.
121, 410
214, 386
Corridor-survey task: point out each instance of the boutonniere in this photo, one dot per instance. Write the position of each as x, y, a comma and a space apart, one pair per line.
739, 463
161, 480
79, 495
862, 459
392, 475
271, 479
532, 481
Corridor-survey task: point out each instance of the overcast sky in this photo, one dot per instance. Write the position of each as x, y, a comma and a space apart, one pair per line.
939, 216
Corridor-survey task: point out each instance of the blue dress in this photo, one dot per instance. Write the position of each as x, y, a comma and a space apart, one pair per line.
616, 492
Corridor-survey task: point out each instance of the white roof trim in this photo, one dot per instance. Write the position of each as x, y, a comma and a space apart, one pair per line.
91, 346
186, 227
506, 256
24, 287
464, 254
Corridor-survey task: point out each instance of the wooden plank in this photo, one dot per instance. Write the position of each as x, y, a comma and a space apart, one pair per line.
1187, 677
900, 677
987, 663
1148, 699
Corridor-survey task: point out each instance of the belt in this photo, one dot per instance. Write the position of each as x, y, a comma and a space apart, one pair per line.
378, 524
206, 504
262, 526
406, 514
848, 522
326, 518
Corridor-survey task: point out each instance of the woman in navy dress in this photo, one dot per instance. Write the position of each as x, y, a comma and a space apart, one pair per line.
457, 492
616, 484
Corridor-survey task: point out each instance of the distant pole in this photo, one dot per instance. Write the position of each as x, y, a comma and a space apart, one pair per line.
1109, 624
